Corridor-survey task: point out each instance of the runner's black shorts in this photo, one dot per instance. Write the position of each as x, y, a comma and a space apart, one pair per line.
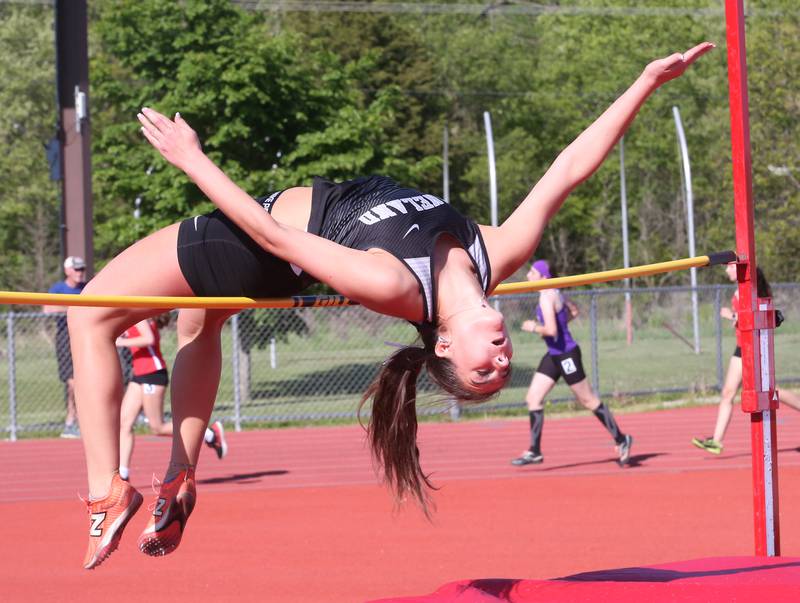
568, 365
159, 377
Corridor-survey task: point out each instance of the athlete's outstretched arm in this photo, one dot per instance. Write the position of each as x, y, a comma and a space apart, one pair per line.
378, 282
513, 243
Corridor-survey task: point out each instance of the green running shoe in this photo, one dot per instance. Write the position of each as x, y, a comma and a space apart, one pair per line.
708, 444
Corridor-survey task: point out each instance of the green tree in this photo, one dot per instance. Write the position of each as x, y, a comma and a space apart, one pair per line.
29, 200
272, 108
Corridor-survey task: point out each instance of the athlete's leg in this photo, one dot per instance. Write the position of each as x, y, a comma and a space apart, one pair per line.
540, 386
584, 394
195, 379
149, 267
153, 403
733, 379
131, 405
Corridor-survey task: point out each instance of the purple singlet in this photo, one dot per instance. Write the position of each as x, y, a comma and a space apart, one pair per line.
563, 341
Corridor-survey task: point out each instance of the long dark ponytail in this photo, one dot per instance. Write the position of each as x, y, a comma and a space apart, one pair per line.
762, 285
392, 428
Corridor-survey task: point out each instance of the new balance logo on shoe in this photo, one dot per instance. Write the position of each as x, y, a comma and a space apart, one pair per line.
96, 528
160, 504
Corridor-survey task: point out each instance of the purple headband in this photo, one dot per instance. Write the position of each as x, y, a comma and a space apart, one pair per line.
543, 268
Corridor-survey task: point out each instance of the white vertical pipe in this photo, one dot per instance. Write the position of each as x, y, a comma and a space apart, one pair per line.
487, 122
446, 165
687, 181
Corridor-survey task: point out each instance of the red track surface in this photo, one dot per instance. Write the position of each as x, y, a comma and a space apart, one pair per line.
296, 514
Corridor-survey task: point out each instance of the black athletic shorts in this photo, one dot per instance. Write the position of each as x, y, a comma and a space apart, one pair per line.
737, 352
217, 258
160, 377
568, 365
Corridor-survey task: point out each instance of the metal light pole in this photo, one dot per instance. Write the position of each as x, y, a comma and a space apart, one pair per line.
626, 260
687, 182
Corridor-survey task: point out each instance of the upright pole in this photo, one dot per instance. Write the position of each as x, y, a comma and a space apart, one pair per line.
487, 122
72, 75
594, 338
756, 316
687, 183
446, 165
12, 378
626, 259
237, 380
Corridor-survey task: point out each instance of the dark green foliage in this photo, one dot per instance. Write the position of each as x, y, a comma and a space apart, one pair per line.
29, 201
279, 96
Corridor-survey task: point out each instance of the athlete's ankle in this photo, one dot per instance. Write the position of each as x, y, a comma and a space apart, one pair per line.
99, 492
174, 469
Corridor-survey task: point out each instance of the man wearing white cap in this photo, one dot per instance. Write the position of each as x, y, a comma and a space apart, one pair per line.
75, 273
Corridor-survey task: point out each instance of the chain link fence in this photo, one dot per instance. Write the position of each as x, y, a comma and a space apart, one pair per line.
314, 363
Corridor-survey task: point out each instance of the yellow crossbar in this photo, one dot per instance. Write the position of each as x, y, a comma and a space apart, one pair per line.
321, 301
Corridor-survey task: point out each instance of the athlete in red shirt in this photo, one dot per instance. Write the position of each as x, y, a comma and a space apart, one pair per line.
146, 391
733, 378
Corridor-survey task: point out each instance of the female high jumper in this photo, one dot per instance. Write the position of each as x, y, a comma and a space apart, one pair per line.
395, 250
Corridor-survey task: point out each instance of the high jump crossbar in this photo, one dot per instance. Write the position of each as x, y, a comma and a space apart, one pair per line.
308, 301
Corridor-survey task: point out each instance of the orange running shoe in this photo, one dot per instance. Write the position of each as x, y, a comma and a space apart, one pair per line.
171, 509
219, 443
107, 518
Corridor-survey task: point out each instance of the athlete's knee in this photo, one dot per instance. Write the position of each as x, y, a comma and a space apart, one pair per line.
727, 395
193, 323
86, 321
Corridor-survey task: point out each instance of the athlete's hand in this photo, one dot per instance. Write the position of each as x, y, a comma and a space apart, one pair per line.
529, 326
668, 68
174, 139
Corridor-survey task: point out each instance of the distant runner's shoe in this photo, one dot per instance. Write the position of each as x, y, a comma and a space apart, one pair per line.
624, 450
528, 458
171, 509
107, 518
219, 444
71, 432
708, 444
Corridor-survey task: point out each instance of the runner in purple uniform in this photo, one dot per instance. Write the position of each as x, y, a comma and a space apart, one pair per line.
563, 359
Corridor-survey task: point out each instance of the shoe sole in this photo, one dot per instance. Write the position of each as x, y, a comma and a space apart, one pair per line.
167, 539
104, 553
523, 463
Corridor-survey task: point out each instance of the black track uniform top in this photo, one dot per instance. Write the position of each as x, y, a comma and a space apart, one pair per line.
375, 212
218, 258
